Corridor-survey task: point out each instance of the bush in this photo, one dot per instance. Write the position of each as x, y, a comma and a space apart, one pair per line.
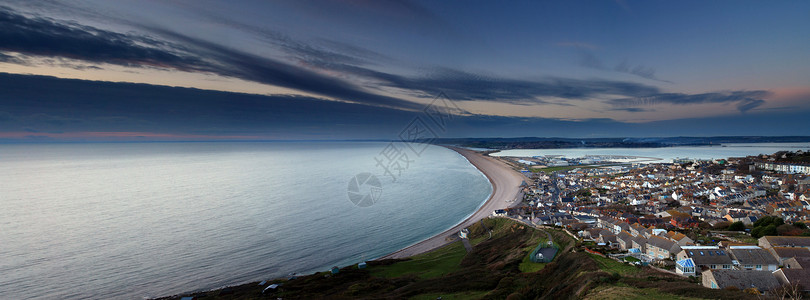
721, 225
769, 220
736, 226
768, 230
756, 232
767, 226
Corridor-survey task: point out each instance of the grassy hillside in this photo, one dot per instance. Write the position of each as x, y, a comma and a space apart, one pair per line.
497, 268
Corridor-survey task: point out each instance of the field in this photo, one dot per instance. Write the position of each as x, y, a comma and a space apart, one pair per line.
429, 265
612, 266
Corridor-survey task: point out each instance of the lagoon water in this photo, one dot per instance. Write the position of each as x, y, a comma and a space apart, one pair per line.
136, 220
667, 154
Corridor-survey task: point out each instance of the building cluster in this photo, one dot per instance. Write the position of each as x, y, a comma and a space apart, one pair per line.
562, 161
646, 211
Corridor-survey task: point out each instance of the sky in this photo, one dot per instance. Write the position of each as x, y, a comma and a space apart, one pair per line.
355, 69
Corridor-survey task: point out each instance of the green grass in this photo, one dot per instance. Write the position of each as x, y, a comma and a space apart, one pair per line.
497, 225
614, 292
631, 259
612, 266
451, 296
429, 265
528, 266
743, 238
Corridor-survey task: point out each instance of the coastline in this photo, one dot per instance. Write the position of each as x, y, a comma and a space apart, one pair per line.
505, 186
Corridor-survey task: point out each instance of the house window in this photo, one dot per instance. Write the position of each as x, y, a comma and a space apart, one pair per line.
747, 266
759, 267
726, 266
713, 267
714, 285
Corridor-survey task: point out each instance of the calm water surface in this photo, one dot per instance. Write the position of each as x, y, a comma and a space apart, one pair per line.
139, 220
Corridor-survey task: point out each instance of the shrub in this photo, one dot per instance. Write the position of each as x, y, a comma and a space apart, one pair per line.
769, 220
787, 229
736, 226
722, 225
769, 230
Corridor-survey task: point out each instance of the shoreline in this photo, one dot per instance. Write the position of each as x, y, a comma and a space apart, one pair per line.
505, 186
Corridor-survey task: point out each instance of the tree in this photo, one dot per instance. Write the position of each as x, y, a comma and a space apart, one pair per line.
760, 221
736, 226
768, 230
769, 220
756, 232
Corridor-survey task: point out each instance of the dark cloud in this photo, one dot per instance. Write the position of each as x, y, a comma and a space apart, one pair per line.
462, 85
307, 53
745, 100
70, 105
632, 109
56, 39
80, 105
11, 59
468, 86
40, 36
638, 70
749, 104
46, 37
264, 70
589, 60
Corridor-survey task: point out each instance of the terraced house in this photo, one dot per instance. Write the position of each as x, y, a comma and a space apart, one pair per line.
752, 258
706, 257
661, 248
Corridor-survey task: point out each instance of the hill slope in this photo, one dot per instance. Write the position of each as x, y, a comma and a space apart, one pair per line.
491, 271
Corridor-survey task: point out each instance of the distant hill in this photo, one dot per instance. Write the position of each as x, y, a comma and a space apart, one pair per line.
619, 142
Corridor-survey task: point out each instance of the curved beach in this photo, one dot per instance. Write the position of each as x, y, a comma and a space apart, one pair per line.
505, 186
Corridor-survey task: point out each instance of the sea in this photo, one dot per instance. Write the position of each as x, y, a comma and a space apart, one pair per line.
142, 220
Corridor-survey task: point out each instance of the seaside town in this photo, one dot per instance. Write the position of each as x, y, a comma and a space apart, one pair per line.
734, 223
